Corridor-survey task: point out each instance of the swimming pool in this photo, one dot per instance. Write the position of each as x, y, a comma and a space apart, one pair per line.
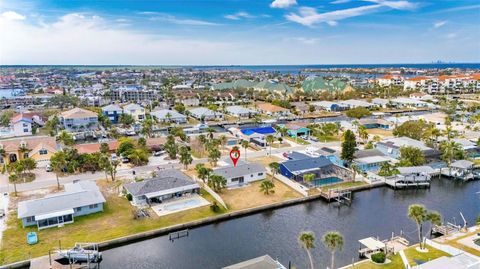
183, 204
325, 181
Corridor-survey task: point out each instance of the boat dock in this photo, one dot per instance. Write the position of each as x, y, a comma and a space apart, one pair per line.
177, 235
446, 229
371, 245
402, 182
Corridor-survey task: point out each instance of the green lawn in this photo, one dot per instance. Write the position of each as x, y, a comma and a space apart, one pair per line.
344, 185
328, 138
395, 264
115, 221
412, 254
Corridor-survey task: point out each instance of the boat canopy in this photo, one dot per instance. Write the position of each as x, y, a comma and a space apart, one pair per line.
372, 243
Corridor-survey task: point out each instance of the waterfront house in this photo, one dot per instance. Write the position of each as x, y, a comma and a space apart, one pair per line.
333, 154
300, 107
79, 199
167, 115
135, 110
353, 103
325, 171
263, 262
272, 110
391, 147
79, 119
202, 113
371, 159
370, 123
39, 148
242, 173
380, 102
329, 106
167, 185
296, 129
112, 112
241, 112
402, 102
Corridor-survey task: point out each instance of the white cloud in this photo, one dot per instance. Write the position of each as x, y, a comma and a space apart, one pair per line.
439, 24
401, 5
451, 35
172, 19
283, 3
12, 15
309, 16
85, 39
239, 15
339, 2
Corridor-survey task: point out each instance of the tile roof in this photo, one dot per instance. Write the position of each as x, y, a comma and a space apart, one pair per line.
270, 108
77, 113
33, 142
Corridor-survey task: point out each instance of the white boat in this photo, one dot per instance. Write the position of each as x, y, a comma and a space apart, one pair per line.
79, 254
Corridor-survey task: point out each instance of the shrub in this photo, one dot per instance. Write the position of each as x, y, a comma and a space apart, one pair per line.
379, 257
129, 196
214, 207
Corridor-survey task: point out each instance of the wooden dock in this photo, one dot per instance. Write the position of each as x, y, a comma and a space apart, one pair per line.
447, 229
45, 262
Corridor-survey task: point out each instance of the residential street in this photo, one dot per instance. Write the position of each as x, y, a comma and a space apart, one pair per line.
48, 179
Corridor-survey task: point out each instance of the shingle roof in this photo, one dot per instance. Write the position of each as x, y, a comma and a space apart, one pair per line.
112, 107
239, 170
166, 179
307, 164
77, 194
162, 114
78, 113
263, 262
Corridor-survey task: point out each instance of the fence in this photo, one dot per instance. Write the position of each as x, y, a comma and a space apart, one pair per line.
445, 248
292, 184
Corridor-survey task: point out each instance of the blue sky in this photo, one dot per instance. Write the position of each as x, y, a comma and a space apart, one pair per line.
198, 32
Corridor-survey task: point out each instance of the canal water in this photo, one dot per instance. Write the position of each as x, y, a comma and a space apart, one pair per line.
376, 212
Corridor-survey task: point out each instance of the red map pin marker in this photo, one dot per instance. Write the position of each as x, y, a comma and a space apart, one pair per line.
234, 155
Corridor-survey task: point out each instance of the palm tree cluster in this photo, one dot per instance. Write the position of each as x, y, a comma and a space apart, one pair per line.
419, 214
332, 240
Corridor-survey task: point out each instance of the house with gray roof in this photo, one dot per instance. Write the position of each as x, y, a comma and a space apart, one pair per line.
262, 262
391, 147
168, 184
241, 174
203, 113
112, 112
167, 115
79, 199
240, 111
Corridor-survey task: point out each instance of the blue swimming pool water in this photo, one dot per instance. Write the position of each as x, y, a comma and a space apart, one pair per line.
325, 181
182, 205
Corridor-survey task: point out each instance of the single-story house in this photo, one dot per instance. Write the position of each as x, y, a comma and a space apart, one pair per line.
112, 112
202, 113
353, 103
370, 123
79, 198
401, 102
371, 159
168, 184
301, 107
333, 154
380, 102
324, 170
263, 262
329, 106
272, 110
240, 111
391, 147
167, 115
241, 174
296, 129
95, 147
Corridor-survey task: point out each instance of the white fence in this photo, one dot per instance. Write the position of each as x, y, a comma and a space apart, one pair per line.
292, 184
215, 195
404, 259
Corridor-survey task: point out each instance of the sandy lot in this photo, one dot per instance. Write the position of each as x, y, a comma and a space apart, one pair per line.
250, 196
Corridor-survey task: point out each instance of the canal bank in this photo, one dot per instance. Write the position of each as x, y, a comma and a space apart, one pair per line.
376, 212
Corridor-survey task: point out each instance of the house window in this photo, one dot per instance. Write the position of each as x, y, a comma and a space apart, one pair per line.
25, 130
93, 206
78, 209
30, 219
260, 174
25, 125
43, 152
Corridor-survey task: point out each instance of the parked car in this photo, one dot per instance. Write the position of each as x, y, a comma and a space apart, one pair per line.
48, 168
2, 212
114, 157
158, 153
125, 160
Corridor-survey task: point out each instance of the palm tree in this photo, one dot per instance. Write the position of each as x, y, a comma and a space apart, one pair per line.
307, 240
267, 187
147, 127
185, 156
308, 177
223, 140
214, 155
270, 139
355, 170
24, 150
66, 139
217, 182
3, 154
419, 215
275, 167
245, 146
210, 132
333, 241
58, 162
